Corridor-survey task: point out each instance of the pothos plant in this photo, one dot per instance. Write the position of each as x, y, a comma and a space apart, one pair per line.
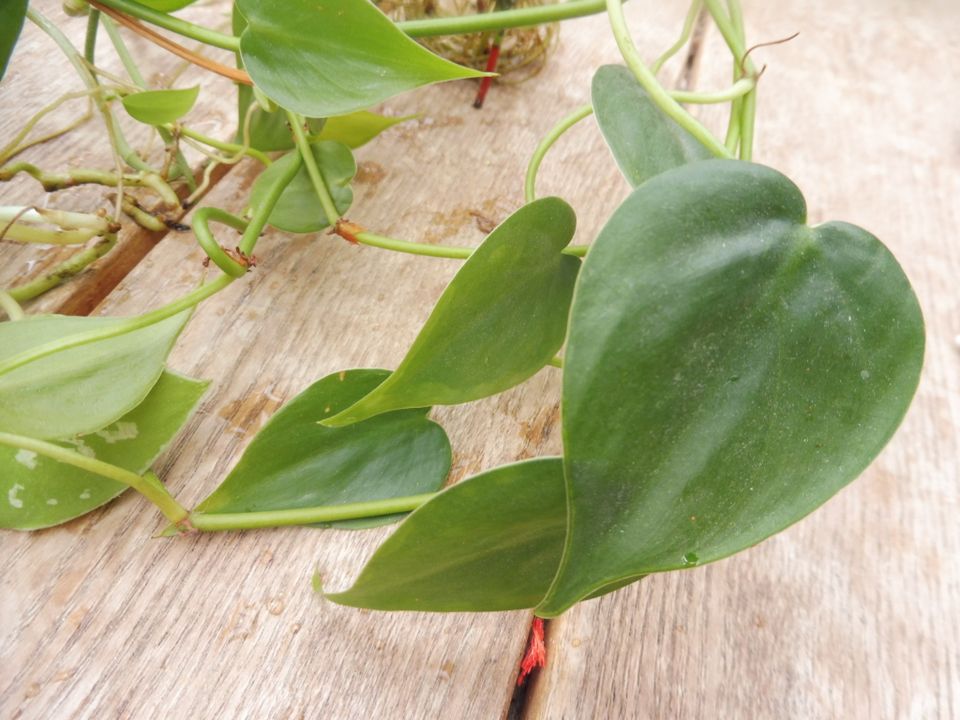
726, 367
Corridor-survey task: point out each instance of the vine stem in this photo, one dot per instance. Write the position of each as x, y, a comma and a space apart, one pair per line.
455, 25
211, 522
551, 137
9, 305
688, 22
654, 89
383, 242
65, 270
148, 485
310, 162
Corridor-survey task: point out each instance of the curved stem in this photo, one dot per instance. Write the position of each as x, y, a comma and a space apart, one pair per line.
14, 147
65, 270
90, 41
316, 178
439, 251
211, 522
148, 486
211, 247
688, 22
10, 306
225, 146
551, 137
741, 87
656, 91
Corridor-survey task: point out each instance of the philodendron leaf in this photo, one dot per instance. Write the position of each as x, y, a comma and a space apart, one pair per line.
643, 140
12, 13
728, 369
159, 107
334, 58
85, 388
294, 462
298, 210
501, 319
358, 128
37, 492
491, 542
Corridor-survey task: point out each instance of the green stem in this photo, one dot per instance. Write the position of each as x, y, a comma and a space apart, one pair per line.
19, 232
559, 129
741, 87
438, 251
654, 89
149, 487
63, 218
65, 270
82, 176
175, 24
14, 147
688, 22
201, 228
10, 306
225, 146
555, 361
500, 20
310, 162
90, 41
210, 522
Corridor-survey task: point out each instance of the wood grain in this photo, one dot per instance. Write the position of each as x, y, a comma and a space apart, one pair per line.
37, 75
101, 621
850, 613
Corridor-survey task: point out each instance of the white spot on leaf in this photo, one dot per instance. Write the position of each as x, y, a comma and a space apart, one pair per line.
52, 501
27, 458
124, 431
85, 495
12, 496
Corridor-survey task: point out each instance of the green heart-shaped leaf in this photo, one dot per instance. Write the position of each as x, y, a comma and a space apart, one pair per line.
37, 492
298, 210
85, 388
359, 128
644, 141
159, 107
491, 542
12, 13
294, 462
501, 319
334, 58
728, 369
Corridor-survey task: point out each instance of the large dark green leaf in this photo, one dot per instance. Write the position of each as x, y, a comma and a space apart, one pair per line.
159, 107
37, 492
298, 209
491, 542
333, 58
12, 13
294, 462
85, 388
728, 369
502, 318
644, 141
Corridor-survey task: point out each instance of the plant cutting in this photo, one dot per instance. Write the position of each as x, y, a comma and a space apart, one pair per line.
726, 367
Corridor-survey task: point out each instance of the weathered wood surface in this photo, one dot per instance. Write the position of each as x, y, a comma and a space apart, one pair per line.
848, 614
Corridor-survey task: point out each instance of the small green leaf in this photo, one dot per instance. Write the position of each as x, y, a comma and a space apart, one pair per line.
159, 107
85, 388
298, 210
728, 369
12, 13
491, 542
37, 492
644, 141
501, 319
358, 128
294, 462
335, 58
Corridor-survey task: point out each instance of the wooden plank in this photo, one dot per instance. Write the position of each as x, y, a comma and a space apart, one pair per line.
37, 75
102, 621
849, 613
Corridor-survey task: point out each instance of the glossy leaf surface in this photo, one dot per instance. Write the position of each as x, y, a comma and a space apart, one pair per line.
159, 107
38, 492
643, 140
298, 210
728, 369
358, 128
501, 319
82, 389
333, 58
294, 462
491, 542
12, 14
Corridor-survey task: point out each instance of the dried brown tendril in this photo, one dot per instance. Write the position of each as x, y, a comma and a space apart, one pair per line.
523, 51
